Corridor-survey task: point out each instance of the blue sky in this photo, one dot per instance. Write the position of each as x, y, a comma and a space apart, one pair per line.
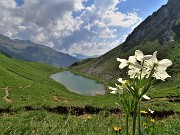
88, 27
143, 8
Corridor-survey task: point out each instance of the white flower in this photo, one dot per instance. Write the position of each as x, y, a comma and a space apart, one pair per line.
159, 66
119, 89
114, 90
146, 97
151, 111
140, 56
131, 62
121, 81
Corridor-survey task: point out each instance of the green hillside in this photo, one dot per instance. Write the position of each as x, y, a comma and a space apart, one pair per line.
29, 84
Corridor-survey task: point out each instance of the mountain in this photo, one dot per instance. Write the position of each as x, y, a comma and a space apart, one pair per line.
160, 25
82, 57
30, 51
158, 32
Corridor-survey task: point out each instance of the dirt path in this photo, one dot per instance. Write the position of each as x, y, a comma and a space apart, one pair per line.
7, 97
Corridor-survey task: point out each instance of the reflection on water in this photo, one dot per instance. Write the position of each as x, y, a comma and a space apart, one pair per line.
79, 84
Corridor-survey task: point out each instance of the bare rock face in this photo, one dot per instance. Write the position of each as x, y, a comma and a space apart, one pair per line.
157, 26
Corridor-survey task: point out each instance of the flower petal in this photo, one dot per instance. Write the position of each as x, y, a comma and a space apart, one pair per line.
147, 57
121, 60
123, 63
112, 88
113, 92
132, 59
132, 73
146, 97
153, 59
151, 111
161, 75
164, 63
121, 81
139, 55
135, 65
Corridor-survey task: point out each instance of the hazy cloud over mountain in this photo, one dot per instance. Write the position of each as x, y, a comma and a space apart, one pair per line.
90, 27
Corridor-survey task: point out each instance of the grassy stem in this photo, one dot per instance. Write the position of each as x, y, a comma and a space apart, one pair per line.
127, 124
139, 119
134, 117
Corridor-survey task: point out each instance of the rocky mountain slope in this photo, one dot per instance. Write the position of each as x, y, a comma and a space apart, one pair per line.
30, 51
160, 31
160, 25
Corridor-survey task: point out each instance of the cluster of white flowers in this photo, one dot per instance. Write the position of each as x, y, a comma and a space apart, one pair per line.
141, 67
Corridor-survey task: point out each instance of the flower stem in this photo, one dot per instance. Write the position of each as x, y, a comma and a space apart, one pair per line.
134, 117
139, 119
152, 70
127, 124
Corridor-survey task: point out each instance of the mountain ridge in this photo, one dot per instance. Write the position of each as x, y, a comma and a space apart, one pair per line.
29, 51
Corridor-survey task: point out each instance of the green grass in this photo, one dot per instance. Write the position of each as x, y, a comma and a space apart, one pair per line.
42, 123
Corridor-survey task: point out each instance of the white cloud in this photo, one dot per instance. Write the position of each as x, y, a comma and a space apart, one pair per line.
93, 30
108, 33
122, 20
7, 4
44, 12
92, 48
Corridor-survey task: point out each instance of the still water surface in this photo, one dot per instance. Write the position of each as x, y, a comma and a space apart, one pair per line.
79, 84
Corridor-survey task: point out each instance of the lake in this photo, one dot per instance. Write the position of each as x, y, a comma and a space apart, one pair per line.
79, 84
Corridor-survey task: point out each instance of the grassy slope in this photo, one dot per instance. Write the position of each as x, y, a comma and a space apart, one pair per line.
29, 84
